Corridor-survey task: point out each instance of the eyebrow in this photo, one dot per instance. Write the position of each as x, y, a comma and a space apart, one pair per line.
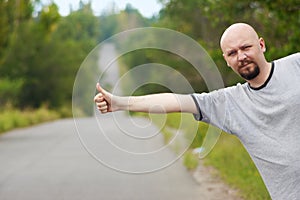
240, 47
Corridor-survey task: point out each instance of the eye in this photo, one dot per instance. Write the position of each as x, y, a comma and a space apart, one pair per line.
231, 53
246, 47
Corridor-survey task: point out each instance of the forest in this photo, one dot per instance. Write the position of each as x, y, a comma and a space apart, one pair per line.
41, 51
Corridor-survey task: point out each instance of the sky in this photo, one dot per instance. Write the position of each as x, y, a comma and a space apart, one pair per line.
146, 7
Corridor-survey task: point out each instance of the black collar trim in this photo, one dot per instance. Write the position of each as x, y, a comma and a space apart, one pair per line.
266, 82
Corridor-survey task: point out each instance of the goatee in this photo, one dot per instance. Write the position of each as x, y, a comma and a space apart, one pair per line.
249, 75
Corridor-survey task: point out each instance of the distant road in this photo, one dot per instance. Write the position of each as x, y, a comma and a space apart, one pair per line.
109, 66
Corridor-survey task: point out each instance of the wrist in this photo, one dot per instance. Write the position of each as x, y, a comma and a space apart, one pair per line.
121, 103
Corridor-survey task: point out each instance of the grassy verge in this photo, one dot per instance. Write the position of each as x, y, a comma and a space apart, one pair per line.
228, 156
11, 118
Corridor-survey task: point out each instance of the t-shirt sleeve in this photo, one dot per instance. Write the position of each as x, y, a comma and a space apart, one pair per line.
211, 108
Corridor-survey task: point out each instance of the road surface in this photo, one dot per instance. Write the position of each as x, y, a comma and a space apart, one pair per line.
48, 161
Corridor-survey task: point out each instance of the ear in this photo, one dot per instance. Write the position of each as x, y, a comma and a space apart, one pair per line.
225, 59
262, 44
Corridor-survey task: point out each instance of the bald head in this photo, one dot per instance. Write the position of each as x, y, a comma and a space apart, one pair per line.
244, 51
235, 32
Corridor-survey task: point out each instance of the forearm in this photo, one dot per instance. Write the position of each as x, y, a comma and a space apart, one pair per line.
157, 103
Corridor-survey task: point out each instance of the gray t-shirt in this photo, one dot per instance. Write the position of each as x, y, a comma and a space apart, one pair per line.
267, 122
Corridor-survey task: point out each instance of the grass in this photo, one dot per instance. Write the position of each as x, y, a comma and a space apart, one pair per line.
190, 161
228, 156
11, 118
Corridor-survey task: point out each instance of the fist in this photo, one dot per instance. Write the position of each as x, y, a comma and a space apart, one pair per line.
103, 100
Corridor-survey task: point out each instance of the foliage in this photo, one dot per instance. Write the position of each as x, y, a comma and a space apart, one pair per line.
9, 90
190, 160
11, 118
80, 32
113, 22
41, 51
45, 52
12, 14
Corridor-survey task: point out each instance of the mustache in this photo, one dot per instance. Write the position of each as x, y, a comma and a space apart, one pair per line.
244, 63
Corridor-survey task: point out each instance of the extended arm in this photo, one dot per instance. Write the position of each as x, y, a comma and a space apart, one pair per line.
154, 103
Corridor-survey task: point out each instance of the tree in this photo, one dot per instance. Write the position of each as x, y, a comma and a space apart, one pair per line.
113, 22
46, 53
80, 32
27, 60
12, 14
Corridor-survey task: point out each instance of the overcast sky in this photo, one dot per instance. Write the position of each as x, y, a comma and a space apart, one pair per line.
146, 7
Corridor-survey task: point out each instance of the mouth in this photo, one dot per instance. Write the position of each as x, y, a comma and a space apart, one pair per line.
245, 65
248, 70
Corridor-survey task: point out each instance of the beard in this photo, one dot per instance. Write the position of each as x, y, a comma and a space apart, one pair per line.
250, 72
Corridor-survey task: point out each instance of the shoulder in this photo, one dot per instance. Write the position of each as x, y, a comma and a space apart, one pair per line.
293, 59
231, 92
292, 56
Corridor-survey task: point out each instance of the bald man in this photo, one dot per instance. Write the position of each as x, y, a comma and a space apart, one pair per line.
263, 112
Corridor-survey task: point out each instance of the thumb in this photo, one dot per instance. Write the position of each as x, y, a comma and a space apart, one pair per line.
100, 89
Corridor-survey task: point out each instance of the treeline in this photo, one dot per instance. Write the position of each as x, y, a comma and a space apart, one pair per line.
41, 51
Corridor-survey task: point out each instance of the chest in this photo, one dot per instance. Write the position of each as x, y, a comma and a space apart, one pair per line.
272, 110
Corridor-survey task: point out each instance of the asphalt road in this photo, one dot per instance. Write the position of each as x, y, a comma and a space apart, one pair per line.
48, 161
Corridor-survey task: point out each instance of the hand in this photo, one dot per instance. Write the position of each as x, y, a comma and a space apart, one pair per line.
103, 100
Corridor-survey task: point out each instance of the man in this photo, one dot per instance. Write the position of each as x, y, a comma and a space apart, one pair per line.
263, 112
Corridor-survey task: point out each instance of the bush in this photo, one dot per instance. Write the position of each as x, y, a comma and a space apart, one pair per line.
12, 118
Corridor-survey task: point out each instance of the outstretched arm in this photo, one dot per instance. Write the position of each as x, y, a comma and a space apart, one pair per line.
154, 103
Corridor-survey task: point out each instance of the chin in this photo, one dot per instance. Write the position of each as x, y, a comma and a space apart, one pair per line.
251, 74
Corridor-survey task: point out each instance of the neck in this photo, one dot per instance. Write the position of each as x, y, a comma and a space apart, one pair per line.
262, 77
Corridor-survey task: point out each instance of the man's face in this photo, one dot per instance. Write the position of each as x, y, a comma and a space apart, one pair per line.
243, 52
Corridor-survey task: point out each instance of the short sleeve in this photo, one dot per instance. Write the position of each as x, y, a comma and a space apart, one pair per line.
211, 107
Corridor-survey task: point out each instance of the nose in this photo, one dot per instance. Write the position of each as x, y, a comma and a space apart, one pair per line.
241, 55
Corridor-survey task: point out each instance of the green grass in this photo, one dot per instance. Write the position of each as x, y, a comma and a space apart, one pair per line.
190, 160
11, 118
